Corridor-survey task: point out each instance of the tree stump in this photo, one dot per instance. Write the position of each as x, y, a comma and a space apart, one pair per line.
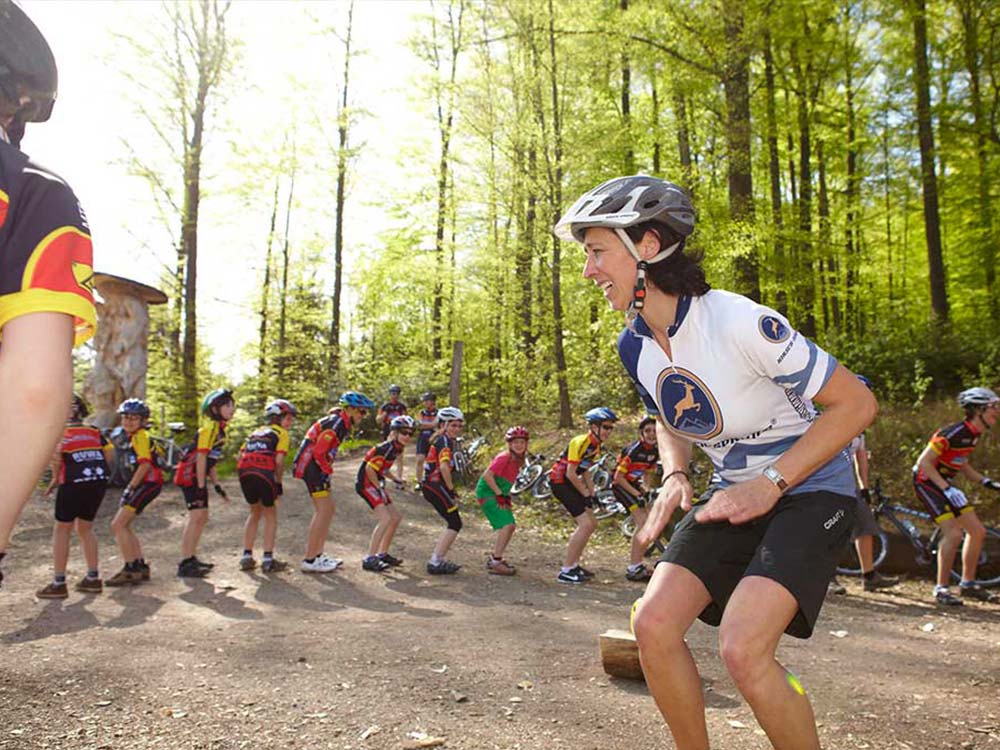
121, 343
620, 654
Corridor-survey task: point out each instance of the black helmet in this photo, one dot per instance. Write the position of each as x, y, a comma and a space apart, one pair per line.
28, 76
395, 389
133, 405
428, 396
80, 408
626, 201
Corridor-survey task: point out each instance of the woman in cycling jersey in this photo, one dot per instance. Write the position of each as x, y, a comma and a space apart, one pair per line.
633, 475
439, 487
754, 555
493, 493
80, 472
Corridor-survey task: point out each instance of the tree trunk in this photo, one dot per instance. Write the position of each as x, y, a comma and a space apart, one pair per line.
265, 293
628, 163
774, 172
925, 130
343, 123
654, 120
805, 256
683, 141
283, 314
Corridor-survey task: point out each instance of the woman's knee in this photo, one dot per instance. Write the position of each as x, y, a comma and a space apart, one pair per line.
656, 625
745, 657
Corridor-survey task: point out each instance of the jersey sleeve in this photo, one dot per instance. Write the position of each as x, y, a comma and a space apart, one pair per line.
939, 443
577, 448
498, 463
777, 351
206, 438
283, 442
47, 258
444, 452
141, 446
629, 348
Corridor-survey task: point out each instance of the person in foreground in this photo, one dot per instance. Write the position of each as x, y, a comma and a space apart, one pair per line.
753, 556
46, 270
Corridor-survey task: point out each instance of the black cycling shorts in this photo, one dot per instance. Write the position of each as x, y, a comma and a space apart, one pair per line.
423, 442
443, 502
142, 496
79, 501
629, 501
864, 520
571, 498
317, 481
259, 488
191, 499
797, 544
937, 503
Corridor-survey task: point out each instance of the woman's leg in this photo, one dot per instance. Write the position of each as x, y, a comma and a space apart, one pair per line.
757, 614
951, 539
586, 524
975, 533
88, 542
395, 518
319, 527
444, 543
270, 515
673, 600
121, 527
865, 547
636, 553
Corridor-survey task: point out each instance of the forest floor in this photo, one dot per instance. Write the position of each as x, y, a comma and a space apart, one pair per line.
356, 660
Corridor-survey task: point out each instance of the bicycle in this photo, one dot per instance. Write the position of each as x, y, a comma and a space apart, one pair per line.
925, 544
466, 452
530, 473
167, 449
606, 505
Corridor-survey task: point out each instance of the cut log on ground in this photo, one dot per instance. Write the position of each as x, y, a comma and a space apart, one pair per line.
620, 654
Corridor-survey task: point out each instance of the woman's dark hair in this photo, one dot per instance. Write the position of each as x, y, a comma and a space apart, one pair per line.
646, 421
681, 273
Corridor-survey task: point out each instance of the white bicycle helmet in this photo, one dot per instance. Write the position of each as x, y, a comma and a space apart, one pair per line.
450, 414
977, 397
403, 422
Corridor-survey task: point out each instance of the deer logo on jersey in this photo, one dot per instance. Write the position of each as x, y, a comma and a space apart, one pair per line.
772, 328
687, 405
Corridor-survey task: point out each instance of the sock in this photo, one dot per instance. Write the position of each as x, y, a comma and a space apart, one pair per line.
564, 569
941, 589
435, 560
269, 555
310, 559
93, 573
966, 584
59, 579
869, 575
248, 553
635, 567
494, 558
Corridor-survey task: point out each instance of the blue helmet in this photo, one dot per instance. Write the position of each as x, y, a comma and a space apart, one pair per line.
600, 414
358, 400
867, 382
134, 406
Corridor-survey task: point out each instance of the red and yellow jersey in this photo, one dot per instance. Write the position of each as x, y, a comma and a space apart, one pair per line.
390, 410
427, 420
637, 460
264, 449
951, 446
321, 443
46, 257
210, 442
442, 451
380, 457
141, 452
581, 452
83, 452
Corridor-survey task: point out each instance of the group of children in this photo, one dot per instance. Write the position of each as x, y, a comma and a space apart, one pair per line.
80, 478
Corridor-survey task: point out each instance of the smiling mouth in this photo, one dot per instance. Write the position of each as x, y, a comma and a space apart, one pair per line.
606, 286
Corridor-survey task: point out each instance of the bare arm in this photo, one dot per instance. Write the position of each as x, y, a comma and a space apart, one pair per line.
676, 490
861, 466
927, 465
971, 473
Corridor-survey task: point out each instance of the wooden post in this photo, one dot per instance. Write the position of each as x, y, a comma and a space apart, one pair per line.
454, 388
620, 654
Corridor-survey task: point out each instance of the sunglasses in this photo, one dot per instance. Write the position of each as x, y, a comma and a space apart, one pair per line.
607, 427
408, 433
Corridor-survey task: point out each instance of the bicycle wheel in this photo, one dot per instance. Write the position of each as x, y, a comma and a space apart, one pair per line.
461, 464
526, 478
627, 526
988, 570
542, 488
602, 479
851, 566
605, 505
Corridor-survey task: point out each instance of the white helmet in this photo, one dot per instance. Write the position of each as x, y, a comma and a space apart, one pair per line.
977, 397
402, 422
450, 414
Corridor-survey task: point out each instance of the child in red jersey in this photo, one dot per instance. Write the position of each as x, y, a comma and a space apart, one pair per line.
370, 485
80, 471
493, 492
260, 467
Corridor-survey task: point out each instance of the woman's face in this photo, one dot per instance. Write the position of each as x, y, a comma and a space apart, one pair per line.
131, 423
610, 265
226, 410
649, 433
518, 446
454, 428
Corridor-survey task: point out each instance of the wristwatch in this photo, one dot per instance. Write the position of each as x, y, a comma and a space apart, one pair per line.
775, 477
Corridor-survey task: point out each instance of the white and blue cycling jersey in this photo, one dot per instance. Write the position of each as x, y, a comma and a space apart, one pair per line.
739, 386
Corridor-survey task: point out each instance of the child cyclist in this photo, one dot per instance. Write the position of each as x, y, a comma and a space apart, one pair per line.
80, 470
370, 485
194, 472
439, 487
493, 493
260, 467
574, 487
637, 463
314, 465
141, 490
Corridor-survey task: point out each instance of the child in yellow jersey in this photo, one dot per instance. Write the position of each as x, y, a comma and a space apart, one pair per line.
260, 467
142, 489
193, 474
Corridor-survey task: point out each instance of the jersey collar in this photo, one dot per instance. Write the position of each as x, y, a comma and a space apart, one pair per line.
972, 428
683, 307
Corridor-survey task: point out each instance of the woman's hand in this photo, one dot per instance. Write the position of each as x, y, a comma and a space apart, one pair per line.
741, 502
676, 490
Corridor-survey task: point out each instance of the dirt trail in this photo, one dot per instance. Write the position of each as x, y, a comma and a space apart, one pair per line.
362, 660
